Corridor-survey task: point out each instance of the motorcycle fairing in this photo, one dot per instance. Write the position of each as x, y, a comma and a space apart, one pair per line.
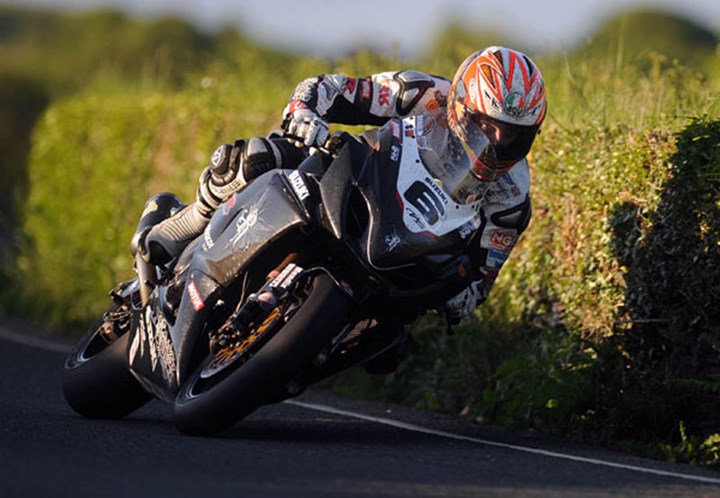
162, 349
410, 217
427, 208
161, 346
252, 219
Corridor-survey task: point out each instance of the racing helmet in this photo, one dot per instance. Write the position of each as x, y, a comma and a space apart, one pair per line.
497, 96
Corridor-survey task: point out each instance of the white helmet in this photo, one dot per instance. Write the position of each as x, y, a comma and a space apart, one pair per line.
501, 93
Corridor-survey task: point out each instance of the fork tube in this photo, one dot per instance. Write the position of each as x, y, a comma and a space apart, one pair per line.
146, 278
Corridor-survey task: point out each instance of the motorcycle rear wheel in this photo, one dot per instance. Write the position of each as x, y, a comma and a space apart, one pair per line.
96, 380
206, 406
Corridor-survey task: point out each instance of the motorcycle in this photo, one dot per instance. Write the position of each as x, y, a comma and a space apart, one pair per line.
313, 270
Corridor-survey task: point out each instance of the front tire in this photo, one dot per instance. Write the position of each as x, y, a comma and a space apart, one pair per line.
96, 380
205, 407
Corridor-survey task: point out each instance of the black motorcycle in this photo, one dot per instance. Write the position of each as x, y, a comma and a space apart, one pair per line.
310, 271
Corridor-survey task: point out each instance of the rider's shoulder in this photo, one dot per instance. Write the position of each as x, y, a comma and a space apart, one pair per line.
513, 187
520, 175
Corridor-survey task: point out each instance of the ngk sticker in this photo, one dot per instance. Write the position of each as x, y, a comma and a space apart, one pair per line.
502, 240
195, 298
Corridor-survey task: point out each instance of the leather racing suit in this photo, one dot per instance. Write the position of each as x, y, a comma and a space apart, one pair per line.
505, 208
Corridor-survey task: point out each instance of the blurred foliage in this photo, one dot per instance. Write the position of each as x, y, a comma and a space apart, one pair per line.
21, 103
604, 323
454, 44
636, 36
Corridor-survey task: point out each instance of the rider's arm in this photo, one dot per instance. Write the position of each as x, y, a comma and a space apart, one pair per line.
371, 100
505, 214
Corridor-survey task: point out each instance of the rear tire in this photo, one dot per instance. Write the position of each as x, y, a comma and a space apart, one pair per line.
202, 408
96, 380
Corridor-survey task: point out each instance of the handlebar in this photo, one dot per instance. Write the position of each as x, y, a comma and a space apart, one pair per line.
330, 148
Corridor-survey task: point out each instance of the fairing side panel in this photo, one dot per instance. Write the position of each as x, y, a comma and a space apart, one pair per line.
164, 343
252, 219
410, 217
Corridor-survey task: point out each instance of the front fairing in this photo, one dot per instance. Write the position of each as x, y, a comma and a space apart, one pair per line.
415, 232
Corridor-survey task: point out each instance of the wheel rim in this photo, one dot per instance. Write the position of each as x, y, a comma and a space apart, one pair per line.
112, 325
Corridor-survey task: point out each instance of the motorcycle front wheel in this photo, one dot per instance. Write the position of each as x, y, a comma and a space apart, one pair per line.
96, 380
216, 397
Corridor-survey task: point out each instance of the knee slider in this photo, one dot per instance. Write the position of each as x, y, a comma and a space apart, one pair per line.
232, 166
223, 176
225, 163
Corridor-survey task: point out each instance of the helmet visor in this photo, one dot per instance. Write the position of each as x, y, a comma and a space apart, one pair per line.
511, 141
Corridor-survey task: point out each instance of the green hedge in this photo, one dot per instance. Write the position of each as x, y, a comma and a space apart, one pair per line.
605, 322
94, 163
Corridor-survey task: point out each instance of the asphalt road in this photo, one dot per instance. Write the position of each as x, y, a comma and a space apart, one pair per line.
317, 446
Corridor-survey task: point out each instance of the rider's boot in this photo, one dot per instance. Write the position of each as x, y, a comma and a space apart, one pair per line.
231, 168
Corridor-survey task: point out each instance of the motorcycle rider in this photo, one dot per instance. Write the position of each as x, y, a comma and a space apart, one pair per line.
498, 91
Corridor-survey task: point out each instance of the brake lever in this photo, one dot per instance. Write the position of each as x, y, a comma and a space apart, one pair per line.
330, 148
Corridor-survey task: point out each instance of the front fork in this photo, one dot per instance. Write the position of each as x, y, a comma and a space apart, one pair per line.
147, 278
258, 305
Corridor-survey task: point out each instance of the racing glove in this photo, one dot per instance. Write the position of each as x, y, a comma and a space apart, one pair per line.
464, 303
304, 123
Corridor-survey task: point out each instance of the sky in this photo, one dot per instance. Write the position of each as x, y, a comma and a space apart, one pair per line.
406, 27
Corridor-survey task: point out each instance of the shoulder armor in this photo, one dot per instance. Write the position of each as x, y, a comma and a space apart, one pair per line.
413, 85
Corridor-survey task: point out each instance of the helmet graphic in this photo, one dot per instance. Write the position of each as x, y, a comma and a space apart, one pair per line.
500, 93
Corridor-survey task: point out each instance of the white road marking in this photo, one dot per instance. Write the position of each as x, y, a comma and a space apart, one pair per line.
34, 342
527, 449
53, 346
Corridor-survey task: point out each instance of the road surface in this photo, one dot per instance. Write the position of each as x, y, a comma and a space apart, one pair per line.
315, 446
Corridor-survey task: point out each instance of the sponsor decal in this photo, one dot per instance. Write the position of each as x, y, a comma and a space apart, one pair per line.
428, 125
432, 106
514, 189
394, 153
395, 127
286, 277
502, 240
409, 130
495, 258
296, 105
155, 334
350, 86
416, 218
436, 188
229, 204
465, 231
365, 89
194, 295
514, 105
298, 185
384, 96
208, 242
392, 240
245, 221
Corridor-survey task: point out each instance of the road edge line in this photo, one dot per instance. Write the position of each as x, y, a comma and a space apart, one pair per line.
527, 449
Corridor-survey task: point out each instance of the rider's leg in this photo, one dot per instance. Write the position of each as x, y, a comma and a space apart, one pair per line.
231, 168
